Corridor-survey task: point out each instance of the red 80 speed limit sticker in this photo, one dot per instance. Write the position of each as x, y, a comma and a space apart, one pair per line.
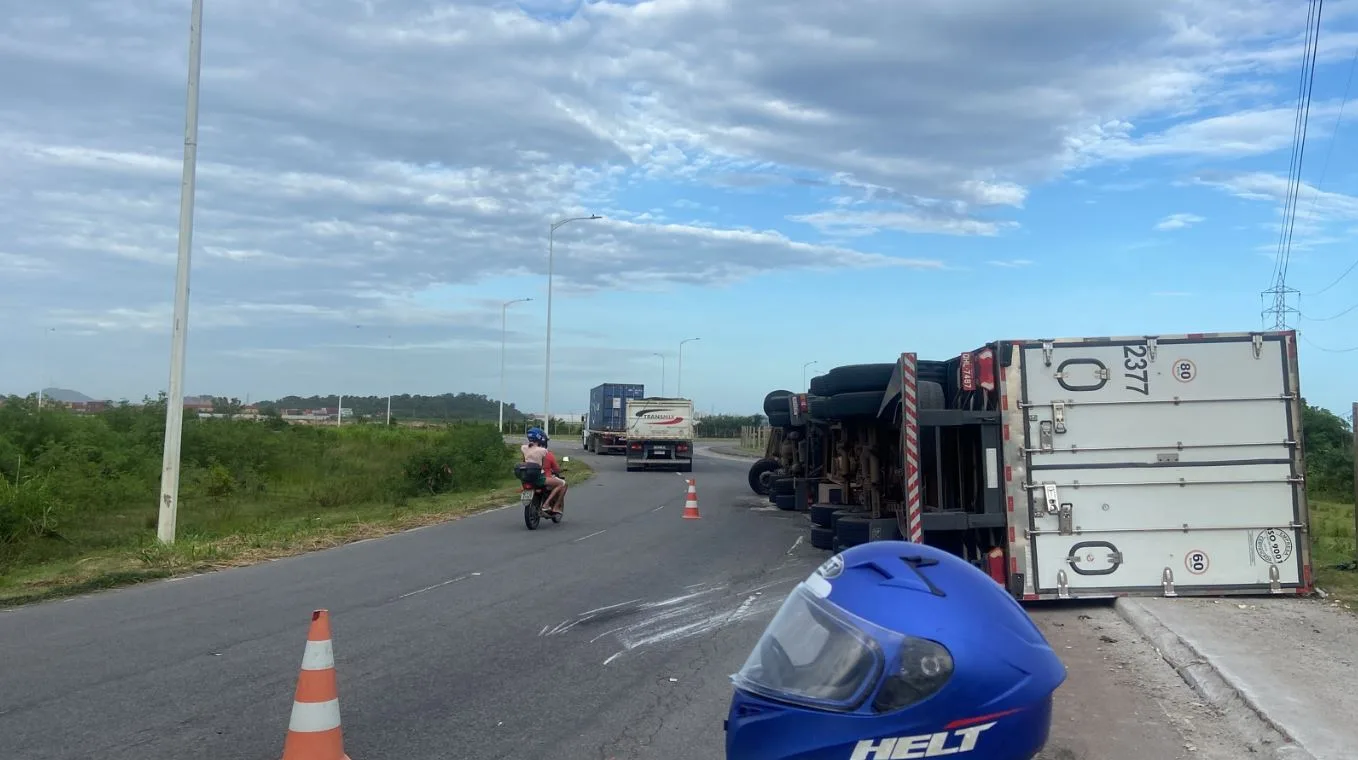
1197, 562
1184, 370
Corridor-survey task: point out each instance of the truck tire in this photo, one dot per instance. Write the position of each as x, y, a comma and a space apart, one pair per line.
784, 485
822, 515
817, 386
776, 402
761, 476
785, 501
855, 378
929, 395
780, 419
845, 406
822, 538
838, 515
851, 530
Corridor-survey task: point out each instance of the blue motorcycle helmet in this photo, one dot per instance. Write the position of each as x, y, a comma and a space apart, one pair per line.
895, 650
536, 435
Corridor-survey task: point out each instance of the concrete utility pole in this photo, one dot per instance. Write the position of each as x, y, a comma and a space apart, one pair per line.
504, 331
547, 367
1354, 424
679, 373
174, 405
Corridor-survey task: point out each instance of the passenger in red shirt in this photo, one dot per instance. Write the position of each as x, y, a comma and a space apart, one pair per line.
558, 495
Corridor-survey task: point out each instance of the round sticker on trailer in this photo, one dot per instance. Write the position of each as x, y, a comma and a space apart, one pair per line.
1184, 370
1197, 561
1273, 546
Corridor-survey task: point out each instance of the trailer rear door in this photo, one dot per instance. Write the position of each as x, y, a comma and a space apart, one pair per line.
1167, 465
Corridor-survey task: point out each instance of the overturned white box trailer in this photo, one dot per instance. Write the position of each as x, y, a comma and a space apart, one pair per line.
1166, 465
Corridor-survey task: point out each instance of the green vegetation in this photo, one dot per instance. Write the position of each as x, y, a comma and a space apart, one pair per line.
448, 407
78, 493
726, 425
1329, 478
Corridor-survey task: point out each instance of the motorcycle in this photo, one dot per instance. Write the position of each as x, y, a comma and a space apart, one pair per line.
533, 496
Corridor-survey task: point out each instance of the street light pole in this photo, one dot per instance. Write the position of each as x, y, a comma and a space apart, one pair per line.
662, 374
390, 347
804, 366
679, 373
547, 366
174, 406
504, 324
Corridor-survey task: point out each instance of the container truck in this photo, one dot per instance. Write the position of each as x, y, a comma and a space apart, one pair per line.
1081, 467
659, 433
605, 430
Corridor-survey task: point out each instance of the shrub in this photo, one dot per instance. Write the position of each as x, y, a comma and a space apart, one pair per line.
97, 476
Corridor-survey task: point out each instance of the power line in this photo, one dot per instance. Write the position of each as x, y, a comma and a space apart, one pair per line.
1312, 344
1334, 134
1331, 317
1279, 290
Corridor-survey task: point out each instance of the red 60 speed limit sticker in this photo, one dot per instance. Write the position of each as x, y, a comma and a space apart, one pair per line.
1197, 561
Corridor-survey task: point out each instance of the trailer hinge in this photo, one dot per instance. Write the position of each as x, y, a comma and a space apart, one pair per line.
1047, 349
1167, 582
1152, 344
1065, 519
1275, 585
1052, 498
1062, 584
1258, 341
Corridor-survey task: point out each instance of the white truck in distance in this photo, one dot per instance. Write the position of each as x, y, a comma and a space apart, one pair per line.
659, 433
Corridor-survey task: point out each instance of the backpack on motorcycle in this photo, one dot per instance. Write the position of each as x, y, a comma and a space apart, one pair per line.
528, 473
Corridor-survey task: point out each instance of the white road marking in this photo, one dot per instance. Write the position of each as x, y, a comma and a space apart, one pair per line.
795, 544
610, 607
613, 657
657, 509
439, 585
592, 535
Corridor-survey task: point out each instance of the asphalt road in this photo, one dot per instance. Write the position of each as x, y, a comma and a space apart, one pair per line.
611, 635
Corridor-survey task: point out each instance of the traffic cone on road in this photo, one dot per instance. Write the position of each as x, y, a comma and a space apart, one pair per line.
691, 501
314, 729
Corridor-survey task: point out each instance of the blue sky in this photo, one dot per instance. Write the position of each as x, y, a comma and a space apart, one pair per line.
790, 182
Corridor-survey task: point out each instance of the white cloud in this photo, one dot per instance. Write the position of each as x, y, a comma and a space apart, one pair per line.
1177, 222
1010, 264
355, 154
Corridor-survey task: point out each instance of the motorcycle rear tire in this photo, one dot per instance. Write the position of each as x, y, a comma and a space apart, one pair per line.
532, 511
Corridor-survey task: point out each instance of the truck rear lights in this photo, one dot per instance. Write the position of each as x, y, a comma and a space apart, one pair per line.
681, 447
985, 369
636, 447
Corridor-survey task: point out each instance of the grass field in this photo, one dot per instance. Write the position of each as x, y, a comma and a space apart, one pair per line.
1332, 548
78, 494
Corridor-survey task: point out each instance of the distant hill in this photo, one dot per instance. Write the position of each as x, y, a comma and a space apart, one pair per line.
471, 407
63, 394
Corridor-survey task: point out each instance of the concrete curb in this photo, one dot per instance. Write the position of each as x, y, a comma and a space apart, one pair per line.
1216, 687
732, 452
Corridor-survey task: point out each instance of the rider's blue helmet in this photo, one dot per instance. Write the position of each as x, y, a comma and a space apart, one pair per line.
894, 649
536, 435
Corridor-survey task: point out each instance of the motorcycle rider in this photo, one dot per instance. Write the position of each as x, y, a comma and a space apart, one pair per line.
535, 451
558, 492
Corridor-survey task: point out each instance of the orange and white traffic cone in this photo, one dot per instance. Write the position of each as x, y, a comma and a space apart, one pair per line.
691, 501
314, 729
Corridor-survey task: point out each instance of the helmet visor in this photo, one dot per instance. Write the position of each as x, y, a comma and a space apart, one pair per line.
813, 654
